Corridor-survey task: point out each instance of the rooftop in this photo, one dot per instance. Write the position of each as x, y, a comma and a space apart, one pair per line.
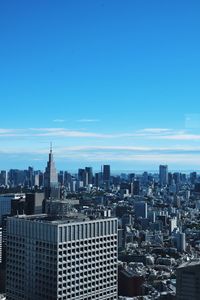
53, 219
71, 217
190, 264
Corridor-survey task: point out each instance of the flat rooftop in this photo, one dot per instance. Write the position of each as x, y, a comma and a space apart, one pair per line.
55, 219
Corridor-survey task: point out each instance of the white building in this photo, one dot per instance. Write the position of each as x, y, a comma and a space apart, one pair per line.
72, 258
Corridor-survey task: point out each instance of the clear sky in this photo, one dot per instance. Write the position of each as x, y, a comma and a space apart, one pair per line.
107, 81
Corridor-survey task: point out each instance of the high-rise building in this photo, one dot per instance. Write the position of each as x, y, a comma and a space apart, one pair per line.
30, 177
50, 178
61, 178
88, 175
136, 187
72, 258
106, 176
81, 174
5, 203
188, 281
163, 175
179, 239
3, 178
140, 209
34, 203
98, 179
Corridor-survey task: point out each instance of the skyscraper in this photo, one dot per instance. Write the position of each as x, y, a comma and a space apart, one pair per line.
72, 258
106, 176
50, 177
163, 175
3, 178
88, 175
140, 209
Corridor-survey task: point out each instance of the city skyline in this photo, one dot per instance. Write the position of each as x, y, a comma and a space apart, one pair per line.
107, 82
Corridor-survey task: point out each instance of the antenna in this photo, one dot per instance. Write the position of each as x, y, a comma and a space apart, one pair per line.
50, 146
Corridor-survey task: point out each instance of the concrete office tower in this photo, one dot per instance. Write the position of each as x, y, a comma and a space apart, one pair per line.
163, 175
106, 176
140, 209
50, 178
188, 281
50, 258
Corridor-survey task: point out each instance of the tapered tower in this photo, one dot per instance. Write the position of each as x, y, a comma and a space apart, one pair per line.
50, 176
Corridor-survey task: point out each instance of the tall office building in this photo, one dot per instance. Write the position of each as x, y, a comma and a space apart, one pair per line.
50, 178
3, 178
106, 176
163, 175
72, 258
188, 281
98, 179
140, 209
88, 175
5, 203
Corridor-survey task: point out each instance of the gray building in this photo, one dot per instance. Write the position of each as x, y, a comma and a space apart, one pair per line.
106, 176
140, 209
51, 178
72, 258
5, 203
188, 281
163, 175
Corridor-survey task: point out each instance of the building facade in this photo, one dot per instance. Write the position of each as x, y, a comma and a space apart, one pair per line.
163, 175
75, 258
188, 281
51, 178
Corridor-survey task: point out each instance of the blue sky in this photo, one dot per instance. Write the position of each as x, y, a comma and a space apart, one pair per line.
107, 81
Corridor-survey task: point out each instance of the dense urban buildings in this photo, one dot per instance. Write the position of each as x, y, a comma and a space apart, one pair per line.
98, 235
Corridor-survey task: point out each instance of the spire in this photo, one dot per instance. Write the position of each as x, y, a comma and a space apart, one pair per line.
50, 147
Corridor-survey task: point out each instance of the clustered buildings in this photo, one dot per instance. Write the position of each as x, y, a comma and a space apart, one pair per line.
92, 236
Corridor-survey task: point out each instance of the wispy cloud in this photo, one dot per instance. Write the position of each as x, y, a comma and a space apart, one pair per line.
88, 120
181, 137
143, 134
155, 130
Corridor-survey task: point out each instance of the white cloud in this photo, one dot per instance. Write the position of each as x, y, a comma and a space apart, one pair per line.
181, 137
155, 130
143, 134
88, 120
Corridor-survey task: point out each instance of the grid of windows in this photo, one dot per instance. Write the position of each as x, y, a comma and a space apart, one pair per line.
88, 268
79, 264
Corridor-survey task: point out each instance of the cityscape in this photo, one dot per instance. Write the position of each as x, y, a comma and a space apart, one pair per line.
100, 150
99, 236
